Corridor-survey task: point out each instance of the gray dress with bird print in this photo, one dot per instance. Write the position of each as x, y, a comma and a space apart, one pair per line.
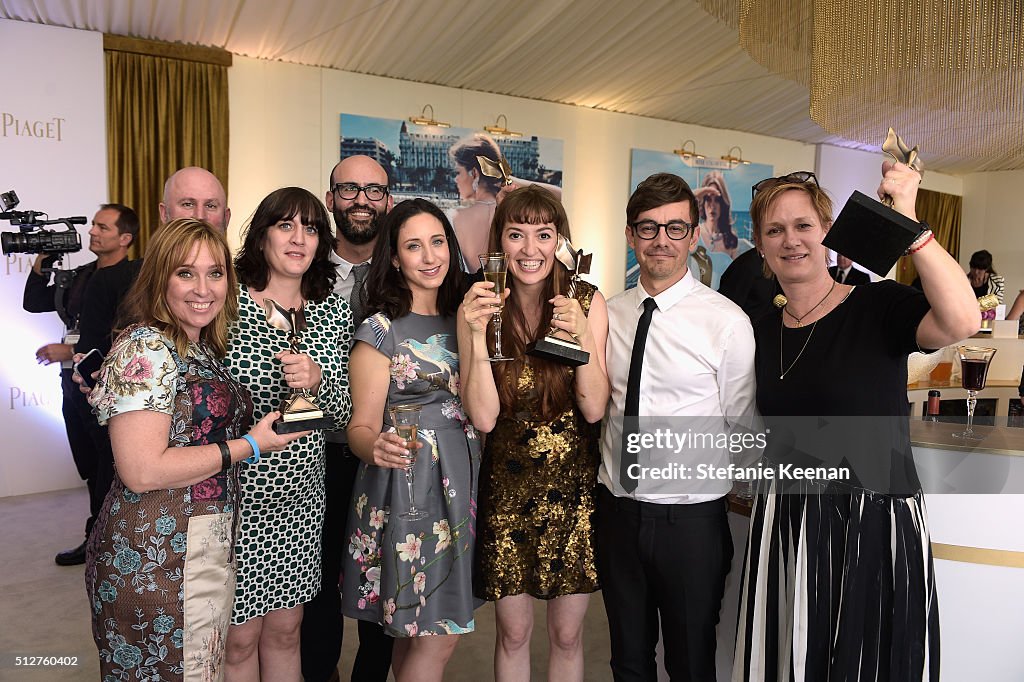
414, 577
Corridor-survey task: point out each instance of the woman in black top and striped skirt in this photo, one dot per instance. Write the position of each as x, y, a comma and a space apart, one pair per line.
837, 581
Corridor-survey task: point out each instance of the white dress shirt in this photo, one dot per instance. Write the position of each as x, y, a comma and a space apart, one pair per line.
698, 363
344, 284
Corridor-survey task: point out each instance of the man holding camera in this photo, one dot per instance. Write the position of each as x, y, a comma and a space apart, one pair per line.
113, 230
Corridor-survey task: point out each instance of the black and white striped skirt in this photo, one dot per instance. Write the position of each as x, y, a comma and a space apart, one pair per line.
837, 587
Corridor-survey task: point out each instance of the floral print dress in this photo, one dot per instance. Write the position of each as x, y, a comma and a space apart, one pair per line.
159, 566
415, 577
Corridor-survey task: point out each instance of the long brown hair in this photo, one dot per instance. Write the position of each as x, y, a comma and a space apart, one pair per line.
169, 249
531, 205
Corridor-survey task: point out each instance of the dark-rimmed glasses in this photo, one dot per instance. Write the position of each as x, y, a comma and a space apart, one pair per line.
350, 190
798, 176
648, 229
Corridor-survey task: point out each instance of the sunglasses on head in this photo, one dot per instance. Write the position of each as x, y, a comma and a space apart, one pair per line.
798, 176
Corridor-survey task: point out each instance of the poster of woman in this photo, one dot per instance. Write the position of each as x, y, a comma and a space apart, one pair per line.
723, 197
441, 165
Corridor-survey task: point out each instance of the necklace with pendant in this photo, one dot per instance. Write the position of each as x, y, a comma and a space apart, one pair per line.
783, 370
800, 320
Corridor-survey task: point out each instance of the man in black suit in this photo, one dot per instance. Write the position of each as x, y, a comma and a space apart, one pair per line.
844, 272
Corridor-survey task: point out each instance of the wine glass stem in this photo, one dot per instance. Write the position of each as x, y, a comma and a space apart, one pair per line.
409, 482
972, 401
496, 320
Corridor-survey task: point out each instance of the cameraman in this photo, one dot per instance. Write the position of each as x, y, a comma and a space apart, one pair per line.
113, 230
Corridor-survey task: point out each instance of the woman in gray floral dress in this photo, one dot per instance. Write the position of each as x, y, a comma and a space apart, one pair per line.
412, 576
160, 567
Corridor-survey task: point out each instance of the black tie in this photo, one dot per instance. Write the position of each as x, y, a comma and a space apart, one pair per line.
631, 421
357, 299
842, 276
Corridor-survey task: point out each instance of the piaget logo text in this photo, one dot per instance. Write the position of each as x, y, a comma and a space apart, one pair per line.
49, 129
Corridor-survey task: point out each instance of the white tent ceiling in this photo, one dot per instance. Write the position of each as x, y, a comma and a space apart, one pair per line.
666, 59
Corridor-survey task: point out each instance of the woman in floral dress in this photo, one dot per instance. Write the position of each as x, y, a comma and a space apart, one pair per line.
412, 577
160, 566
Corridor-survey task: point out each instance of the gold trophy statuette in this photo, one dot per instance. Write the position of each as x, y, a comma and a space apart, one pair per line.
299, 411
555, 346
871, 233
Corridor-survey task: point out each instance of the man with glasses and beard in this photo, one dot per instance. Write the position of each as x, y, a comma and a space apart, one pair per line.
359, 197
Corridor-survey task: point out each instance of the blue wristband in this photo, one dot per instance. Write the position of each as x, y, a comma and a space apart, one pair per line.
255, 456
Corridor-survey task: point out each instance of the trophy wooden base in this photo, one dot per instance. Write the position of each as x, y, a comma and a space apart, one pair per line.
300, 413
307, 424
557, 350
871, 234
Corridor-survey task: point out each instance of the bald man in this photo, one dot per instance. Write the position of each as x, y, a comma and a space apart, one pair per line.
195, 192
359, 196
189, 193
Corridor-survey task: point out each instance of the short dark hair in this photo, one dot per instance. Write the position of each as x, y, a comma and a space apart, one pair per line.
284, 204
386, 289
658, 190
127, 219
982, 260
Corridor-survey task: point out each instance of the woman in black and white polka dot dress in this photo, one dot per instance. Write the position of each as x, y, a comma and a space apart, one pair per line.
284, 259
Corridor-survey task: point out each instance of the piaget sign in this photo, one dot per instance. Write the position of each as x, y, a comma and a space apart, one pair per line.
50, 129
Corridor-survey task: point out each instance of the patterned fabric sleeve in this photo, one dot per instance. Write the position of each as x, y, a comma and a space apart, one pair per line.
140, 373
375, 330
333, 396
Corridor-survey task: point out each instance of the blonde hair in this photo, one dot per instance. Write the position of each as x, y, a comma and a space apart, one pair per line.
168, 249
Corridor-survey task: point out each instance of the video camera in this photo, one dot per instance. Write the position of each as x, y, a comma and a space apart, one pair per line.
32, 238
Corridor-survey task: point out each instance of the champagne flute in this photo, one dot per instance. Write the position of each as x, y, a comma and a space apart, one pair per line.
406, 419
495, 269
974, 363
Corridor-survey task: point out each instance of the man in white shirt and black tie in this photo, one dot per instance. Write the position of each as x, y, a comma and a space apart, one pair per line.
680, 355
844, 272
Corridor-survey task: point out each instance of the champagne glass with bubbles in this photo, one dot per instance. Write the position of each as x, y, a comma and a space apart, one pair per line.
495, 269
974, 363
406, 419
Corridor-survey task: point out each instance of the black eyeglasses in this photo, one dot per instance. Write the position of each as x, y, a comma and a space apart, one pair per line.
350, 190
648, 229
798, 176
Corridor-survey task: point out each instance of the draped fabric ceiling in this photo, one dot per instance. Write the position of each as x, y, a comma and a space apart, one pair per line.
666, 59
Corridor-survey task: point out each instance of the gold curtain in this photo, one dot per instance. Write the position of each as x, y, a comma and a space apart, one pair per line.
941, 212
167, 108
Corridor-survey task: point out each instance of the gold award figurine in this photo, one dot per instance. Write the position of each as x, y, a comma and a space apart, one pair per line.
299, 411
873, 234
566, 351
498, 169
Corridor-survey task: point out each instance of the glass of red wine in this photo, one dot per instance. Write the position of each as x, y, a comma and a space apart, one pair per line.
974, 362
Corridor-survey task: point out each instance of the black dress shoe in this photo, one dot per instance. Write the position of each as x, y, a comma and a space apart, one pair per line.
71, 557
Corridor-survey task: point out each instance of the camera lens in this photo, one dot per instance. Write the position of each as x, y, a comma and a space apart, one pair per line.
12, 242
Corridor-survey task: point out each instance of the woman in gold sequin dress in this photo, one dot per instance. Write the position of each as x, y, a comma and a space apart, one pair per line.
537, 483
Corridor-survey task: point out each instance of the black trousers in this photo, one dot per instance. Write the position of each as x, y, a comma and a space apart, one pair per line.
322, 622
90, 445
662, 563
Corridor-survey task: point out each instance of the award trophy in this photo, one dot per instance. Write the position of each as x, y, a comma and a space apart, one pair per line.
558, 348
872, 233
299, 412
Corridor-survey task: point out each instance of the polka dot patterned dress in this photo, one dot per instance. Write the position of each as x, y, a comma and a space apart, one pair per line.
282, 496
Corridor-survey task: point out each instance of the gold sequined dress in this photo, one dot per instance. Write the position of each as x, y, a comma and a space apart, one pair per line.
537, 486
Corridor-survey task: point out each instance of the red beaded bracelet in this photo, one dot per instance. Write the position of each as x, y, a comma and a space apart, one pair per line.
915, 249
